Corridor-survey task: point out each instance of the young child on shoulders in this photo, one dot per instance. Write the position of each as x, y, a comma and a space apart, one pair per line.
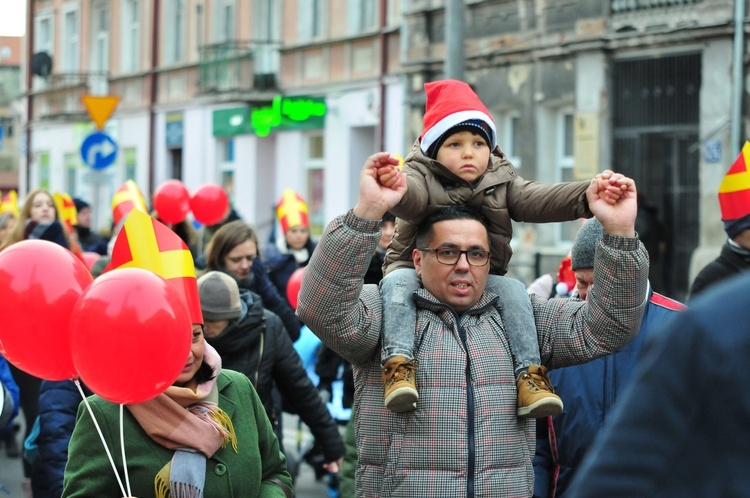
456, 161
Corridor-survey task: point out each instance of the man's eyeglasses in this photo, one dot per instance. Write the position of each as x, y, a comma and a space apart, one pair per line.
450, 256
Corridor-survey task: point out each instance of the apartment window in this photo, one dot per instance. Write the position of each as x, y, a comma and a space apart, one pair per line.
565, 163
100, 37
131, 32
267, 26
362, 16
131, 163
70, 41
44, 34
72, 162
311, 20
44, 170
394, 14
315, 164
224, 20
509, 137
175, 24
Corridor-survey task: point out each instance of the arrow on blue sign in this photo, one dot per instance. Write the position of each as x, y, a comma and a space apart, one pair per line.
98, 150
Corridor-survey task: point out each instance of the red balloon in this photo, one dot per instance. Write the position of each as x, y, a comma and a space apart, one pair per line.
131, 335
172, 201
209, 204
40, 282
89, 258
293, 285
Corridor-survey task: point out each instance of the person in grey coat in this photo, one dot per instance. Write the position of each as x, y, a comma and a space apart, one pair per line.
464, 438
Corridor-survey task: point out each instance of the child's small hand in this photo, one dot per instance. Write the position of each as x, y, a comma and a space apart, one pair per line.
611, 186
388, 175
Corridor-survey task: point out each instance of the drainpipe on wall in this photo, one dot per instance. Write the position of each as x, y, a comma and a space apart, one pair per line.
383, 71
455, 60
152, 96
737, 76
29, 99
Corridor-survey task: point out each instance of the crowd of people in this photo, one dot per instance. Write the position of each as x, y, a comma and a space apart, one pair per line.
460, 381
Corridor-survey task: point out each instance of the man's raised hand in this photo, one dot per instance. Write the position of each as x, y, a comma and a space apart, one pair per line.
377, 196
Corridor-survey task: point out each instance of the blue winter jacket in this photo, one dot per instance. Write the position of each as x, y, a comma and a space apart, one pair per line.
6, 379
681, 427
589, 392
58, 405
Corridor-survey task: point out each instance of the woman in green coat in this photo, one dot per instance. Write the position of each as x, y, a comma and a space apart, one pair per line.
206, 435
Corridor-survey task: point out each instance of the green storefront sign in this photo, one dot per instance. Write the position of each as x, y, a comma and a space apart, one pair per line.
283, 113
231, 122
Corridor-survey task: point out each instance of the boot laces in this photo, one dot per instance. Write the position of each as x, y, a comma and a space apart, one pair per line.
538, 382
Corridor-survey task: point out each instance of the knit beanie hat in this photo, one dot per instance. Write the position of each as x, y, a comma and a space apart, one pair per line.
453, 104
582, 252
80, 204
734, 195
220, 296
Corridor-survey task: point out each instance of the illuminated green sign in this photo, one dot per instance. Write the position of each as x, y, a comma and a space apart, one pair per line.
288, 113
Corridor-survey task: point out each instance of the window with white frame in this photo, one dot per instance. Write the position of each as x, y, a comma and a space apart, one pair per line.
509, 136
311, 20
361, 16
267, 28
394, 15
72, 162
100, 36
315, 165
564, 159
71, 39
130, 46
175, 39
224, 20
44, 33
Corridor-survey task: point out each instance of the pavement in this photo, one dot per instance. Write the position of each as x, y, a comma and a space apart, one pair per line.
11, 469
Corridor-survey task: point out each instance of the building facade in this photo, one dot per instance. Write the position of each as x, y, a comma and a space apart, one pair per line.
263, 95
10, 112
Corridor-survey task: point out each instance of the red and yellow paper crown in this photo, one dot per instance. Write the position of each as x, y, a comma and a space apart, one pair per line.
734, 191
66, 209
146, 243
292, 210
9, 203
127, 198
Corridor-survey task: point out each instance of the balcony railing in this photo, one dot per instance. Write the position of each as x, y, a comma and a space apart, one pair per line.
237, 66
60, 94
620, 6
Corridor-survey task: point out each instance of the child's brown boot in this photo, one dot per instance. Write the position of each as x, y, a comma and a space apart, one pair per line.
536, 396
399, 379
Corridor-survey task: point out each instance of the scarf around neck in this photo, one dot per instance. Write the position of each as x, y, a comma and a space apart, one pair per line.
188, 420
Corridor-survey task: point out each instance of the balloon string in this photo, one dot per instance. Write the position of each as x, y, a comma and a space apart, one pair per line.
101, 436
124, 461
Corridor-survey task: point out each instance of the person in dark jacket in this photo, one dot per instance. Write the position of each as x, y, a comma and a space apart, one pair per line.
735, 213
680, 428
589, 390
88, 239
252, 340
58, 405
234, 250
285, 254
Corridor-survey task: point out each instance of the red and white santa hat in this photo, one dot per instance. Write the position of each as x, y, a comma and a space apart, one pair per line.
451, 103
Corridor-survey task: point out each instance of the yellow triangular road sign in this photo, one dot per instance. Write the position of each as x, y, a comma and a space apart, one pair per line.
100, 108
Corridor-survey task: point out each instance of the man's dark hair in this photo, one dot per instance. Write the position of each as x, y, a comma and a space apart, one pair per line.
424, 229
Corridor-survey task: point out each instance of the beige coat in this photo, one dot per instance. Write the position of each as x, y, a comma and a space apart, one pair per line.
501, 196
